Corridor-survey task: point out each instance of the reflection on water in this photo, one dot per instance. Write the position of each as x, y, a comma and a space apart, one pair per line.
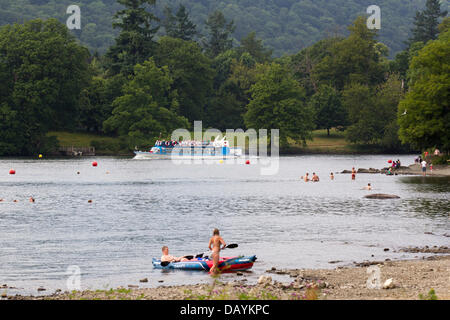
428, 183
431, 208
142, 205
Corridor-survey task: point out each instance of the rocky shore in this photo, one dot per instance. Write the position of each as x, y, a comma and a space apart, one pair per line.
407, 279
414, 169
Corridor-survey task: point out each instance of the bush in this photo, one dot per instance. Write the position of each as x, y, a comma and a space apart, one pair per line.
442, 159
49, 145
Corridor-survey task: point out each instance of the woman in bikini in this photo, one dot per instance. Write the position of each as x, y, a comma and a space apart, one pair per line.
214, 245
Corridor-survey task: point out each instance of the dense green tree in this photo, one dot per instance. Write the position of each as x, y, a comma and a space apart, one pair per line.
226, 108
255, 47
305, 63
278, 102
219, 34
191, 72
179, 25
354, 59
135, 43
371, 110
148, 107
424, 114
329, 112
42, 70
426, 22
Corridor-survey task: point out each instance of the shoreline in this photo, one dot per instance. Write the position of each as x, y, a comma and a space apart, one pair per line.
412, 280
413, 169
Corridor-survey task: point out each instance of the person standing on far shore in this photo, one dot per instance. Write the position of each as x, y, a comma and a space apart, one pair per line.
424, 167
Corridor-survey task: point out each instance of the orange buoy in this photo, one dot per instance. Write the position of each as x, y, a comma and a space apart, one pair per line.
12, 171
94, 164
247, 162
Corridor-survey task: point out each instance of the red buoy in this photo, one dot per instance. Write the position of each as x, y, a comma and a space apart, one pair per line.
94, 164
247, 162
389, 161
12, 171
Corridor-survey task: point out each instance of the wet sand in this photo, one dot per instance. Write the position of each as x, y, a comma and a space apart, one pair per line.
411, 279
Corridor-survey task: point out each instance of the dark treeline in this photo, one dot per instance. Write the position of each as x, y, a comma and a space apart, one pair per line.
159, 75
285, 26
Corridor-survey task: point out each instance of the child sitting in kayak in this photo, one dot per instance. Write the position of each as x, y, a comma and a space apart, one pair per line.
214, 246
169, 258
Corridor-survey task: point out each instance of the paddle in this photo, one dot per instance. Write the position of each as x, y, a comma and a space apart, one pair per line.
230, 246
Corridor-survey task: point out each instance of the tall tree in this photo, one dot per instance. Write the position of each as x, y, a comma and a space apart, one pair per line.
42, 71
278, 102
179, 25
147, 108
134, 43
424, 114
354, 59
329, 113
220, 32
191, 73
371, 110
426, 22
255, 47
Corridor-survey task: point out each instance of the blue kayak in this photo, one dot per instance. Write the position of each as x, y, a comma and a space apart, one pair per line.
225, 264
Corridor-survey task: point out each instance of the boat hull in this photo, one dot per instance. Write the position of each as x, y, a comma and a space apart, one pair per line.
225, 264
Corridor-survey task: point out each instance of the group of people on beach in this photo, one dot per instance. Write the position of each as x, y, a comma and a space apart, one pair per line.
216, 243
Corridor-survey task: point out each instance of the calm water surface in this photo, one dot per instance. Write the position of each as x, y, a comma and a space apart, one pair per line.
144, 204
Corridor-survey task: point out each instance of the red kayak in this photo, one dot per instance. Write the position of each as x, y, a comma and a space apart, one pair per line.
234, 263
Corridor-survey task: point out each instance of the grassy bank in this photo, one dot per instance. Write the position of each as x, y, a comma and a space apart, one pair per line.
104, 145
321, 143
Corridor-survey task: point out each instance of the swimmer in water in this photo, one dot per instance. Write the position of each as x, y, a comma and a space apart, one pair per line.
331, 176
315, 177
353, 173
32, 199
368, 187
214, 245
306, 178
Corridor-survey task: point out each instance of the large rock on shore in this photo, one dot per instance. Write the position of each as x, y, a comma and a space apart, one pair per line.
370, 170
381, 196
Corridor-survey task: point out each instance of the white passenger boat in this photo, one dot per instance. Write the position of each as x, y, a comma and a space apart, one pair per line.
219, 149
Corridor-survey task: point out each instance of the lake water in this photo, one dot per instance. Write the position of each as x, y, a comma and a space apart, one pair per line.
142, 205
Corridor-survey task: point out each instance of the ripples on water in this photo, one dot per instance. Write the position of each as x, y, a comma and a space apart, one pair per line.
142, 205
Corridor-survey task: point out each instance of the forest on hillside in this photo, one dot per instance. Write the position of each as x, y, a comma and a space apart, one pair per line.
160, 75
285, 26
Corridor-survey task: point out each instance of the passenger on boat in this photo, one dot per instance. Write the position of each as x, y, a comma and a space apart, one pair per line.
214, 246
166, 257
